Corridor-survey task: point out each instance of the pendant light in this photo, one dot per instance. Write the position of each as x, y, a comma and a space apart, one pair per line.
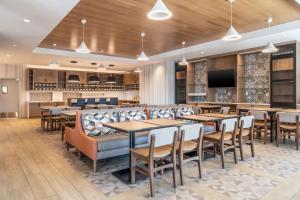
73, 78
269, 48
159, 11
231, 34
93, 79
138, 70
83, 48
183, 60
111, 79
142, 56
53, 63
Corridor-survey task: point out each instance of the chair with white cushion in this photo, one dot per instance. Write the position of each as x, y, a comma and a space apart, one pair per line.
191, 138
246, 126
224, 138
162, 145
288, 125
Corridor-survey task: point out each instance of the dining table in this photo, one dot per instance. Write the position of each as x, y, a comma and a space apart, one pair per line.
209, 108
271, 112
134, 127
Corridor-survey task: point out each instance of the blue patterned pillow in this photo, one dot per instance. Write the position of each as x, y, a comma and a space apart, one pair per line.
92, 123
162, 113
133, 115
184, 111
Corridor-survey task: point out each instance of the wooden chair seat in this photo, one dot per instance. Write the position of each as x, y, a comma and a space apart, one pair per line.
245, 132
261, 124
290, 127
217, 136
188, 146
159, 152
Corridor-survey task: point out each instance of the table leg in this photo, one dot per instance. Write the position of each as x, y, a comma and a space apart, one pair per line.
131, 145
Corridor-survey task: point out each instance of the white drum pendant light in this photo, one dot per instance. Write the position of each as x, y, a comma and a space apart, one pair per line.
269, 48
231, 34
159, 11
83, 48
142, 56
183, 60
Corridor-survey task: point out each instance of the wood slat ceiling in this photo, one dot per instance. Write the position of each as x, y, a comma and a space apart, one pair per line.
114, 26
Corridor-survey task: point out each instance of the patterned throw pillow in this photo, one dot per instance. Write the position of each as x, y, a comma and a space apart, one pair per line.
184, 111
133, 115
92, 123
162, 113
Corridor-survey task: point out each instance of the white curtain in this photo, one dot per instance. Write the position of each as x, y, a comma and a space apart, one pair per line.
157, 84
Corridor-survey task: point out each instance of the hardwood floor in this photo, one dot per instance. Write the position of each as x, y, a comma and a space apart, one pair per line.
31, 169
35, 165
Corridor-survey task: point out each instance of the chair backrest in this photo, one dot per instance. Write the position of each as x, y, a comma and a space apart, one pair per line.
102, 100
258, 114
56, 111
132, 115
191, 131
165, 113
225, 110
80, 102
247, 121
288, 117
163, 136
91, 101
229, 124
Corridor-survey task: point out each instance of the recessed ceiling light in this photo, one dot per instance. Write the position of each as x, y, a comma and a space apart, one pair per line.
111, 65
26, 20
73, 61
54, 44
93, 63
14, 45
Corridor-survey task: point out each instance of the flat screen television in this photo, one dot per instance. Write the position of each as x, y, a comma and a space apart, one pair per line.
221, 78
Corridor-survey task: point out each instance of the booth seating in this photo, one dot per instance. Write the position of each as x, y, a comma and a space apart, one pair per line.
98, 142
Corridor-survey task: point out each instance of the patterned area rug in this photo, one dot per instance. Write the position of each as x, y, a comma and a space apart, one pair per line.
251, 179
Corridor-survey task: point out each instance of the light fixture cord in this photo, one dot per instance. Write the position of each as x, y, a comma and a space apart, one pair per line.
183, 46
231, 13
142, 43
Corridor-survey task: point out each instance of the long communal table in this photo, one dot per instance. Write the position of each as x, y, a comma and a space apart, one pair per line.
134, 127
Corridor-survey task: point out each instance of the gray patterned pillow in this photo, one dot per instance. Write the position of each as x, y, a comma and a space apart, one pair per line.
184, 111
92, 123
133, 115
162, 113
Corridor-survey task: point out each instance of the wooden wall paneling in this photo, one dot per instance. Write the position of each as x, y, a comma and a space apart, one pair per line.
190, 80
283, 64
132, 78
44, 76
298, 74
240, 78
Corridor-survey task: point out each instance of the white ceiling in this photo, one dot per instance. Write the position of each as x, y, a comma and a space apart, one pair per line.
46, 14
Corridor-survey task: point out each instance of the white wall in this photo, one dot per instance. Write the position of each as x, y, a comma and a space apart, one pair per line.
157, 84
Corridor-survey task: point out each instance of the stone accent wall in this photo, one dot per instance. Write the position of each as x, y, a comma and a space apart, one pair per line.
225, 95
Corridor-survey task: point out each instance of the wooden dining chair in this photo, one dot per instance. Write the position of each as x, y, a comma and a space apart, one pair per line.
288, 125
54, 119
162, 145
262, 124
245, 129
191, 139
224, 138
225, 110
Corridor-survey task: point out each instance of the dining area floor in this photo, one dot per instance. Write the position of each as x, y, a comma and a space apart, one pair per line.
36, 165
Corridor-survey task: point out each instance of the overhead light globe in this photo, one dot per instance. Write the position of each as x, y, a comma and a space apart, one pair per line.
270, 48
83, 48
54, 63
232, 35
142, 57
159, 11
183, 62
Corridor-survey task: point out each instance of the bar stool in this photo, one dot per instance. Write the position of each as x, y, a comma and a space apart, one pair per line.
191, 139
162, 145
246, 126
225, 139
261, 123
288, 125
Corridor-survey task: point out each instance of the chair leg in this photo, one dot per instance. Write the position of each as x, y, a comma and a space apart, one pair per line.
252, 148
151, 175
234, 154
174, 170
68, 147
180, 161
78, 154
200, 167
265, 136
297, 140
241, 149
222, 155
132, 170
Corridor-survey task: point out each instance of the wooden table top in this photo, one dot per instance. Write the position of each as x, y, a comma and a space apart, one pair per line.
262, 109
164, 122
209, 106
131, 126
52, 107
200, 118
291, 110
218, 115
69, 113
